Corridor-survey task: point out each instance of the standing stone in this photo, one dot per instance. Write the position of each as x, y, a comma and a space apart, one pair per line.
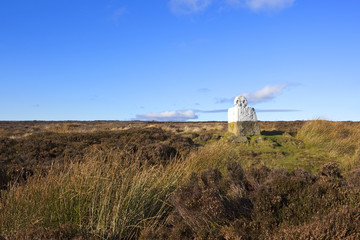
242, 120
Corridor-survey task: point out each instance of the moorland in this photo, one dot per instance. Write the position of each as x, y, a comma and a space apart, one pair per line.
179, 180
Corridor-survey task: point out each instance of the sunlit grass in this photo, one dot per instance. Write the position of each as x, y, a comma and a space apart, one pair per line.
107, 195
340, 140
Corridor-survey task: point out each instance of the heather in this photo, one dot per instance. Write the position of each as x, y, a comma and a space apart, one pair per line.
296, 180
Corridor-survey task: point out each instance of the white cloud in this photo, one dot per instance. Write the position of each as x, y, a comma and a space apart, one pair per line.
261, 95
267, 4
184, 115
180, 115
188, 6
264, 94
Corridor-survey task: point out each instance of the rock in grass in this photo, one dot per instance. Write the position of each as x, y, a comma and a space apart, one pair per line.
238, 139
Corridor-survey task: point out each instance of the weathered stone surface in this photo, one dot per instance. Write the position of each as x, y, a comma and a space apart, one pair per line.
259, 140
238, 114
247, 128
240, 101
242, 120
238, 139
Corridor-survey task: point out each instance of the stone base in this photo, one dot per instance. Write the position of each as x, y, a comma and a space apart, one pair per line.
246, 128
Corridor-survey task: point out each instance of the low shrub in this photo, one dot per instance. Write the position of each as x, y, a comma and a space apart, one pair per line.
263, 204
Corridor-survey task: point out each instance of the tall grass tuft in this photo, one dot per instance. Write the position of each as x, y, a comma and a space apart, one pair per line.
213, 155
340, 139
105, 195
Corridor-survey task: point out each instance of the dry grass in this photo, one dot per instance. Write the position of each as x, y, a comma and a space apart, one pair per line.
106, 194
340, 140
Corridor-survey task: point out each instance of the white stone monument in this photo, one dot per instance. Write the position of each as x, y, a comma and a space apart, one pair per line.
242, 120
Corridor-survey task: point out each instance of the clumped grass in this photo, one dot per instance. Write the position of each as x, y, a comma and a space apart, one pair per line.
213, 155
105, 195
340, 140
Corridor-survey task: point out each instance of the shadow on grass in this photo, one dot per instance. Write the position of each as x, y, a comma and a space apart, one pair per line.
272, 133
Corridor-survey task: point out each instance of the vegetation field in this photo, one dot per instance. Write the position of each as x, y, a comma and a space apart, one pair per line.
182, 180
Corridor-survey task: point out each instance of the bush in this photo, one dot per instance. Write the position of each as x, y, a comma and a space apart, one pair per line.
263, 204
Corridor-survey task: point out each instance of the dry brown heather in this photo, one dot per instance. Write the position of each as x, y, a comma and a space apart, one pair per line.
165, 180
18, 129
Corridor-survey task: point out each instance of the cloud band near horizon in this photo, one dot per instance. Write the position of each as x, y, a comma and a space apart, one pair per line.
178, 115
191, 114
267, 93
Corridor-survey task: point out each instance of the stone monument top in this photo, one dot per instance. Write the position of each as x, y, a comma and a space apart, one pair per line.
240, 112
240, 101
242, 120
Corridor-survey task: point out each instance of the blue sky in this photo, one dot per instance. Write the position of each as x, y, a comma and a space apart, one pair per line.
179, 59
